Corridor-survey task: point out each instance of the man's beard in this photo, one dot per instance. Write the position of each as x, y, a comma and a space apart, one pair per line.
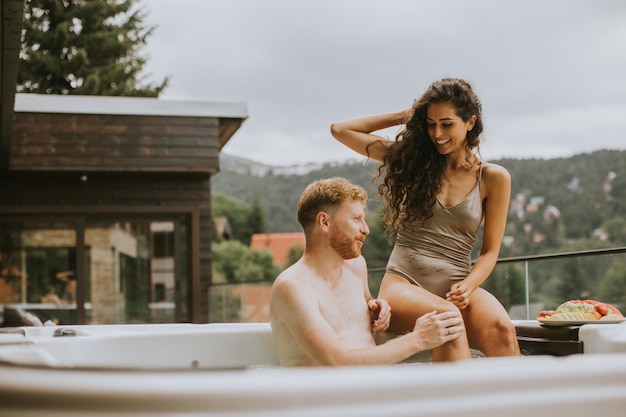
345, 247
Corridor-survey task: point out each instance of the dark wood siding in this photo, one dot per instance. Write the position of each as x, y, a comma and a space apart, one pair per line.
11, 12
110, 143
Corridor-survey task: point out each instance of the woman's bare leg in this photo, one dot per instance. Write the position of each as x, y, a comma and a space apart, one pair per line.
408, 302
489, 327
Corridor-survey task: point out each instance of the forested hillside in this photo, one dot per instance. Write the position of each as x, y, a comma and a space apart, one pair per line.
589, 190
554, 201
557, 205
278, 194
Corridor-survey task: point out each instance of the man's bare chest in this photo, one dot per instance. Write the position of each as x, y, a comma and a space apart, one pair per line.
345, 305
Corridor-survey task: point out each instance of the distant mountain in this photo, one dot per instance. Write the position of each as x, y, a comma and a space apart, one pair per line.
278, 188
552, 201
244, 166
238, 165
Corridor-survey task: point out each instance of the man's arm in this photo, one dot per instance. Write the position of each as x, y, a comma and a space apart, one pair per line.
380, 311
318, 340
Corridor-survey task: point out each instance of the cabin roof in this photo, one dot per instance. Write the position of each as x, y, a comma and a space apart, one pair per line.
136, 106
230, 114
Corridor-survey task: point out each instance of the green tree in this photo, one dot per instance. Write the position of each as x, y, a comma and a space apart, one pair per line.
378, 244
294, 254
618, 195
612, 288
572, 285
506, 283
256, 218
85, 48
244, 220
617, 230
235, 262
237, 213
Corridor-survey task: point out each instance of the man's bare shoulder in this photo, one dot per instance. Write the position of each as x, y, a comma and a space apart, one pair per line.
289, 277
357, 263
299, 282
290, 285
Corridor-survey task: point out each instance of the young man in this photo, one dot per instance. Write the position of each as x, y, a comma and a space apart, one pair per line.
322, 312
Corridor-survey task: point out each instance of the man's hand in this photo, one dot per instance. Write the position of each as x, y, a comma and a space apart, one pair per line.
380, 313
434, 329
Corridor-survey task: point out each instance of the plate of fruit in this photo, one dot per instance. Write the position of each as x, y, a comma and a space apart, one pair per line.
578, 312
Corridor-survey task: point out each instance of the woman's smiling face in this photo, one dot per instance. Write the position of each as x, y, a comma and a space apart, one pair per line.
447, 130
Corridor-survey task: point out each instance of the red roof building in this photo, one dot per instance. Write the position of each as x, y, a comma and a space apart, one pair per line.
278, 244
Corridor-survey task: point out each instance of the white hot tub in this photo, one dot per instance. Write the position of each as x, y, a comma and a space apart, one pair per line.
232, 370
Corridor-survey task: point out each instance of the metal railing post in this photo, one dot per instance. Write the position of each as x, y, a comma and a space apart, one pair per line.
527, 290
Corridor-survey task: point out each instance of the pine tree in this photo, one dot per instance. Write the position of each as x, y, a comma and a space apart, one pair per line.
84, 47
256, 218
572, 284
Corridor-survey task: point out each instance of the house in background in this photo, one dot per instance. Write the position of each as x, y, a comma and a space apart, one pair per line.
278, 244
111, 193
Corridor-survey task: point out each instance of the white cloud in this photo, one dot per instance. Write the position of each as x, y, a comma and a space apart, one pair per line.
550, 74
558, 133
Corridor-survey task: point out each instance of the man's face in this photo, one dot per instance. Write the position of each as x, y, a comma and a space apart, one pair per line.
348, 229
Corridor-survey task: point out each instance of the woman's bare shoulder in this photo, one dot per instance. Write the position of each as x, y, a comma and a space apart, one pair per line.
496, 179
495, 173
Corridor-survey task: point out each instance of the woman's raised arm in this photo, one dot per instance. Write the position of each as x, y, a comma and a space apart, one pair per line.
357, 135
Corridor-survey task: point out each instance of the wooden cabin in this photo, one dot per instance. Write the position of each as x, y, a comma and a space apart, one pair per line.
106, 201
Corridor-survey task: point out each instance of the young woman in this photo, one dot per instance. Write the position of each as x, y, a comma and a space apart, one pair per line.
436, 193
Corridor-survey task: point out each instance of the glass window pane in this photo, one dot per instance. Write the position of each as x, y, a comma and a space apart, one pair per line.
184, 282
119, 271
130, 271
37, 266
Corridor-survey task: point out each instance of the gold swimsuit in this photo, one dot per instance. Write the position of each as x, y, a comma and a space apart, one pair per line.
436, 254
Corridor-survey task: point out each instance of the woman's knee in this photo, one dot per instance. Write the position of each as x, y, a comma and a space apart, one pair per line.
505, 328
497, 335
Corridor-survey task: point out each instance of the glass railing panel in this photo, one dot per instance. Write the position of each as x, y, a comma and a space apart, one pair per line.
527, 285
240, 302
524, 285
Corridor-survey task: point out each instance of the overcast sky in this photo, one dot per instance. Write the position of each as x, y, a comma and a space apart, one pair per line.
551, 74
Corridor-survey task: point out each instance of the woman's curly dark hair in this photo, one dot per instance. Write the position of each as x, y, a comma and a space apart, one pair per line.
412, 169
